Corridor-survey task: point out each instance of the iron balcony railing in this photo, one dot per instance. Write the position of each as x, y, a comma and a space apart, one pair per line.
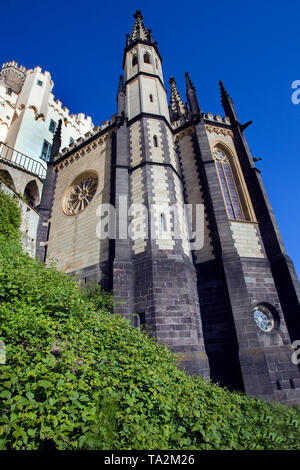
17, 159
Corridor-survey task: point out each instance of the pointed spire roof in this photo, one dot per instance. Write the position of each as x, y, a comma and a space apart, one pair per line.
177, 107
227, 103
191, 95
139, 29
140, 34
189, 84
56, 143
224, 94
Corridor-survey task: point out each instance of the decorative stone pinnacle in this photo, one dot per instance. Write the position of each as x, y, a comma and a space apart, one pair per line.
139, 29
224, 93
191, 95
56, 143
189, 84
177, 107
223, 89
121, 88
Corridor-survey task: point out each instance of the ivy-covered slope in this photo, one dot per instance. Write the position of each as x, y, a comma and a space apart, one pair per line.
79, 377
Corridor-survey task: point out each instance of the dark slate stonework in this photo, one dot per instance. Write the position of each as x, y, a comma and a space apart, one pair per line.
45, 208
252, 353
283, 270
218, 326
122, 270
165, 287
88, 275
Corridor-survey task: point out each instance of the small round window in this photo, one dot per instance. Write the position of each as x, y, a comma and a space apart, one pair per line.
263, 318
80, 193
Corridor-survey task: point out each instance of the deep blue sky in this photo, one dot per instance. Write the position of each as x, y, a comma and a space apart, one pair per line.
253, 46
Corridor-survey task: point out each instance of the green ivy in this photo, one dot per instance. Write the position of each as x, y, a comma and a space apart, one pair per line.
10, 215
78, 377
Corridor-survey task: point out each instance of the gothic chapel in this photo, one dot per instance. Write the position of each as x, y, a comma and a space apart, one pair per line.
230, 308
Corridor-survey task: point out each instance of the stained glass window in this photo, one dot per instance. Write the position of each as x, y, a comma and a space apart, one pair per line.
263, 318
229, 188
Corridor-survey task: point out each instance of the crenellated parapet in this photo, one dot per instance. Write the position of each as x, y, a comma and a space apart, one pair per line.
77, 121
14, 75
211, 121
217, 118
87, 137
13, 63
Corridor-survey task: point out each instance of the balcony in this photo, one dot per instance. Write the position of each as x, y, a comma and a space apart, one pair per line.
16, 159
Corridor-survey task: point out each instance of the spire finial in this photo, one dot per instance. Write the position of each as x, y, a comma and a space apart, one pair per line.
138, 15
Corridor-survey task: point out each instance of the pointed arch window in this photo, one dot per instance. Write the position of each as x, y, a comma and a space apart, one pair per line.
147, 58
134, 60
151, 98
229, 188
155, 141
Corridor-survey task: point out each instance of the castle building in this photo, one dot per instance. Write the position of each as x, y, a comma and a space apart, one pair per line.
230, 306
29, 115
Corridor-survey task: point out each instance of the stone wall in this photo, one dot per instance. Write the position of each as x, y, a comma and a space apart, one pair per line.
29, 221
73, 240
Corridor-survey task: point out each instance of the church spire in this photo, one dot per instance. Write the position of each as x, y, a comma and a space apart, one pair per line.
177, 107
140, 32
191, 95
140, 35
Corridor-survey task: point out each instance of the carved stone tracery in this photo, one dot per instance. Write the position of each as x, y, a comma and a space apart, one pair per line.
80, 193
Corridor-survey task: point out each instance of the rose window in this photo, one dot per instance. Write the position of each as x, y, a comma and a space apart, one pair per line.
80, 193
263, 318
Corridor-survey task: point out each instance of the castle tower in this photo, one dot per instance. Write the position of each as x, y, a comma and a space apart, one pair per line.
155, 267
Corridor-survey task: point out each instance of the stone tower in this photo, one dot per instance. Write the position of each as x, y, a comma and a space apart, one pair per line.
228, 304
153, 273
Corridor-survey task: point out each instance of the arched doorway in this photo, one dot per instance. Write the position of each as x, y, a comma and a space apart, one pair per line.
32, 194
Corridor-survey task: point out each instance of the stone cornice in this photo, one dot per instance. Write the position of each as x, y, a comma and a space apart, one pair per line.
83, 149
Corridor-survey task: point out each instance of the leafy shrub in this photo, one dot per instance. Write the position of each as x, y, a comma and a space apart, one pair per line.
10, 215
78, 377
